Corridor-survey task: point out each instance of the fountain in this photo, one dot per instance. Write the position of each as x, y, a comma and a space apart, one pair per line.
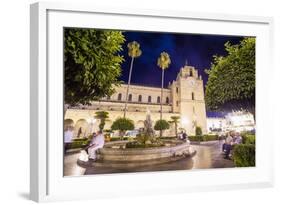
146, 150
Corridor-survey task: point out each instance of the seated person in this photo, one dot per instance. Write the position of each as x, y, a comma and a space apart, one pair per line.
96, 143
238, 138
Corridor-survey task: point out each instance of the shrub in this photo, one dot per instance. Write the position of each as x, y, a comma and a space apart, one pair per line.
79, 144
80, 139
249, 139
118, 138
123, 124
198, 131
198, 138
210, 137
168, 138
244, 155
161, 125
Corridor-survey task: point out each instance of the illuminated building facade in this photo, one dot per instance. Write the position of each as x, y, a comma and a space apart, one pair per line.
184, 97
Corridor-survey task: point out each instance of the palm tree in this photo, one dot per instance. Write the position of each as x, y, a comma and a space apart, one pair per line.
134, 51
175, 120
102, 116
163, 62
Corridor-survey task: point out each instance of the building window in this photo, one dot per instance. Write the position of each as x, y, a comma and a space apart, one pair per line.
192, 95
177, 103
190, 73
158, 99
140, 98
149, 99
167, 100
177, 90
130, 97
119, 96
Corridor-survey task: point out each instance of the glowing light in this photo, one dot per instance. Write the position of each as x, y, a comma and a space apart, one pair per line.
184, 121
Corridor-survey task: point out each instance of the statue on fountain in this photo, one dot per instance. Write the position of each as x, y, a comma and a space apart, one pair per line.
148, 130
147, 137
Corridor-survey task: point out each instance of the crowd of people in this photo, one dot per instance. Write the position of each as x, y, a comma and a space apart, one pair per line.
231, 139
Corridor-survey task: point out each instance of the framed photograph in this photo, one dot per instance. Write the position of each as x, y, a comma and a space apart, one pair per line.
132, 102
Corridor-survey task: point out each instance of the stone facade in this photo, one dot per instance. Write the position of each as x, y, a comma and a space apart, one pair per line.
184, 97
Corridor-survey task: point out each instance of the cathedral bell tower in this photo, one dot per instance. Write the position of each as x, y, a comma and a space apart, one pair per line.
188, 99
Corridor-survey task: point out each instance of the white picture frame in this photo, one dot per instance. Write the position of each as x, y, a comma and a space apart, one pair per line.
46, 178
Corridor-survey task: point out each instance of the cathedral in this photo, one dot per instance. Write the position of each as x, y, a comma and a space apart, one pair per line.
184, 97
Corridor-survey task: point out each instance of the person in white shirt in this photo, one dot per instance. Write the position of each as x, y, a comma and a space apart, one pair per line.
68, 135
96, 143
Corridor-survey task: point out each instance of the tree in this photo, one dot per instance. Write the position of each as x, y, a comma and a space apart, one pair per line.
134, 51
122, 124
198, 131
161, 125
102, 116
163, 62
175, 120
92, 64
231, 81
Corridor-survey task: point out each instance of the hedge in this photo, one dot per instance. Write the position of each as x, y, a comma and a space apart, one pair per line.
249, 139
203, 138
244, 155
118, 138
78, 144
80, 139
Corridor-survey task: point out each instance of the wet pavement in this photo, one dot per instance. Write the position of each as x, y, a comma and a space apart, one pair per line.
208, 156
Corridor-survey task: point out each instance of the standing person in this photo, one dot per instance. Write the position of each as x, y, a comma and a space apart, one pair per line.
96, 143
79, 132
68, 134
227, 145
184, 136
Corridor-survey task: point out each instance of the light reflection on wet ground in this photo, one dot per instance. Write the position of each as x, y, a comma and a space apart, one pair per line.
208, 156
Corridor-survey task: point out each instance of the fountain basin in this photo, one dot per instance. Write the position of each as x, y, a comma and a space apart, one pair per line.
114, 154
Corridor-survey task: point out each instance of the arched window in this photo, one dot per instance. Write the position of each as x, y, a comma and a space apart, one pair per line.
192, 95
167, 100
140, 98
119, 96
177, 89
190, 72
158, 99
149, 99
130, 97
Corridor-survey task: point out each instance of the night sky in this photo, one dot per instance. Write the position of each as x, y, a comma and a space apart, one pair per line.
196, 49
